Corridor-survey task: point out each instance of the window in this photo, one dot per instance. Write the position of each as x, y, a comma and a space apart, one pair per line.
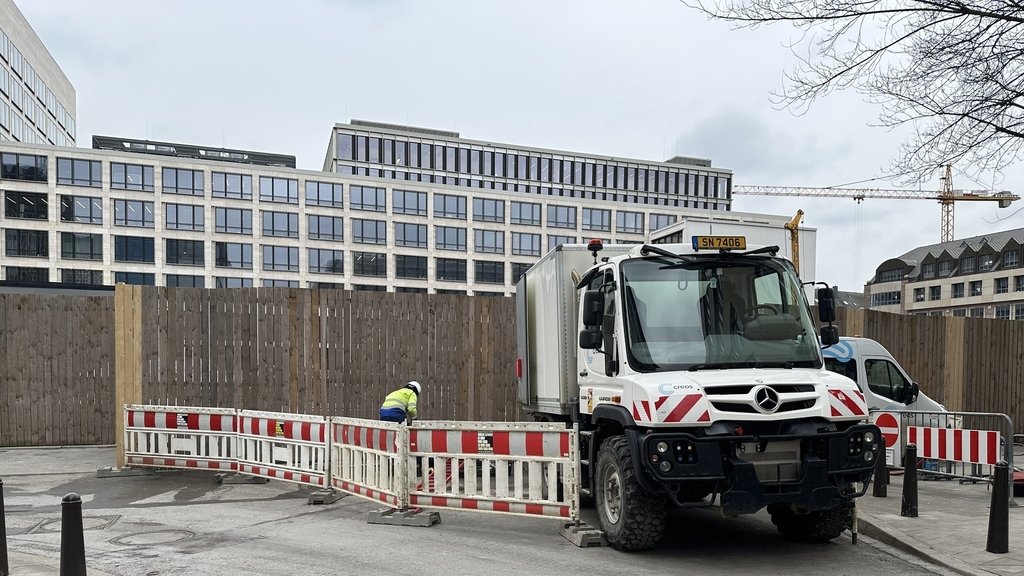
934, 292
409, 202
184, 217
228, 282
22, 167
489, 272
285, 224
233, 220
86, 277
137, 278
133, 249
322, 261
985, 262
25, 274
885, 379
1011, 258
233, 255
945, 268
918, 294
597, 219
659, 221
449, 206
183, 181
367, 198
958, 290
928, 270
325, 227
183, 281
226, 185
518, 269
74, 172
960, 312
967, 265
885, 298
487, 210
185, 252
525, 213
629, 222
31, 243
284, 190
890, 275
1018, 312
369, 264
410, 290
977, 312
1018, 283
84, 209
76, 246
285, 258
411, 267
975, 288
525, 244
450, 238
555, 240
131, 177
277, 283
135, 213
1002, 312
369, 288
451, 270
1002, 285
324, 194
369, 231
562, 216
414, 235
489, 241
28, 205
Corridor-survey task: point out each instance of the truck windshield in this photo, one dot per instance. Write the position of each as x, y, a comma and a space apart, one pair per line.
716, 312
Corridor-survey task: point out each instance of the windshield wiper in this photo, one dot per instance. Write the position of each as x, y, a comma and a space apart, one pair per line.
725, 365
710, 366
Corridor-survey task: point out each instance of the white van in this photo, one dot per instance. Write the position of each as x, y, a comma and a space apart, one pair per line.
883, 381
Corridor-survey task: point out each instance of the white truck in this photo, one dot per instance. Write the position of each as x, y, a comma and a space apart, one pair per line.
694, 373
884, 383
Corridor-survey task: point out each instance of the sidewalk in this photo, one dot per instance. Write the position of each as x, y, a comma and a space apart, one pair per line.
951, 528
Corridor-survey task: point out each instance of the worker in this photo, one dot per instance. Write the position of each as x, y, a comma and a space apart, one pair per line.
400, 405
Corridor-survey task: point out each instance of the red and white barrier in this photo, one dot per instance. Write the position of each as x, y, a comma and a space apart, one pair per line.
534, 467
180, 437
291, 447
972, 446
368, 458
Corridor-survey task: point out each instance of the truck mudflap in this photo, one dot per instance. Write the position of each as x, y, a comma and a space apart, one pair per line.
820, 476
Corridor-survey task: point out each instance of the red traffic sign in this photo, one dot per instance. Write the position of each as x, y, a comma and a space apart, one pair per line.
890, 428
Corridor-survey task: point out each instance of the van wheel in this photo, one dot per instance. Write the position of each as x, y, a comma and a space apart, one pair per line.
631, 518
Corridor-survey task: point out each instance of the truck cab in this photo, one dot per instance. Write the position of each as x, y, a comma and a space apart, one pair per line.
884, 383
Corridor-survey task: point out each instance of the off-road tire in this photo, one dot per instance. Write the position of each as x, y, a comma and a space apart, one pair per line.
636, 520
813, 527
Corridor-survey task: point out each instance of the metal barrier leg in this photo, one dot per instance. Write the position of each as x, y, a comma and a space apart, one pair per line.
72, 540
5, 568
909, 506
999, 512
879, 488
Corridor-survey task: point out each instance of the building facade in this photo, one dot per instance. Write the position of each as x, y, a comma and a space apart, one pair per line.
979, 277
102, 216
37, 101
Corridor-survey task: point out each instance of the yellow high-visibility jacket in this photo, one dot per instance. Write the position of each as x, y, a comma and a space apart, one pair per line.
403, 398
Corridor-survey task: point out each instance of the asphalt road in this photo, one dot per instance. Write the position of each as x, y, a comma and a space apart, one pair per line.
185, 523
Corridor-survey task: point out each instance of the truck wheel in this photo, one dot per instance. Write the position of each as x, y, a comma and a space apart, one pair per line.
812, 527
631, 518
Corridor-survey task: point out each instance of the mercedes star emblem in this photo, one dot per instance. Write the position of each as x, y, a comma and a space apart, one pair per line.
767, 399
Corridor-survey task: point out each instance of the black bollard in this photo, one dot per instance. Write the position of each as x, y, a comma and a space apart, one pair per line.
5, 568
909, 507
999, 511
880, 488
72, 540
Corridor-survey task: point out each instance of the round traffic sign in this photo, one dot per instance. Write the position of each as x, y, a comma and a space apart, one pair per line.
890, 428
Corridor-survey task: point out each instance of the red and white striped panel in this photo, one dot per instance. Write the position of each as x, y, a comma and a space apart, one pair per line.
192, 463
366, 492
381, 439
973, 446
678, 408
179, 419
444, 441
847, 403
283, 428
545, 444
525, 509
289, 475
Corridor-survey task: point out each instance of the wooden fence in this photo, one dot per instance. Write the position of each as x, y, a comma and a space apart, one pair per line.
337, 353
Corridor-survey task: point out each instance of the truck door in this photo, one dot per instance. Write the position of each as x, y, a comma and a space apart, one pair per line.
598, 368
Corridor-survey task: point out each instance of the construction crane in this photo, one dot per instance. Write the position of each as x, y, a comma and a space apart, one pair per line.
946, 197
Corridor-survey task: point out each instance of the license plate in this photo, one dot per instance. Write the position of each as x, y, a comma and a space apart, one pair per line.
719, 243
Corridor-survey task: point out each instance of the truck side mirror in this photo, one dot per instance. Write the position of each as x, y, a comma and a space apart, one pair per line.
910, 393
590, 339
593, 308
826, 305
829, 335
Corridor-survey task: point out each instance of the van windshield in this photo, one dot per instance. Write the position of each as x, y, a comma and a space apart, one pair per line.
716, 312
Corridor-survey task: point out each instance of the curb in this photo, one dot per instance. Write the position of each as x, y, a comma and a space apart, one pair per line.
888, 534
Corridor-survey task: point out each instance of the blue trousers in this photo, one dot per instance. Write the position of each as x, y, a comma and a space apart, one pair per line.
392, 414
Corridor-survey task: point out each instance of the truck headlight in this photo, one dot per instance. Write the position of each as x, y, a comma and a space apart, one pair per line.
665, 466
662, 447
869, 456
869, 437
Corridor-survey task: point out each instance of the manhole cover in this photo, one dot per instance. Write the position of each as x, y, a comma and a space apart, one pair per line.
88, 523
153, 538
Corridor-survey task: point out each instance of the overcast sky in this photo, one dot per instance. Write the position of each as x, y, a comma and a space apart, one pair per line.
642, 79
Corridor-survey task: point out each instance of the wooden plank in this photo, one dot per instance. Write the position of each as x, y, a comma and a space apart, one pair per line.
292, 351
